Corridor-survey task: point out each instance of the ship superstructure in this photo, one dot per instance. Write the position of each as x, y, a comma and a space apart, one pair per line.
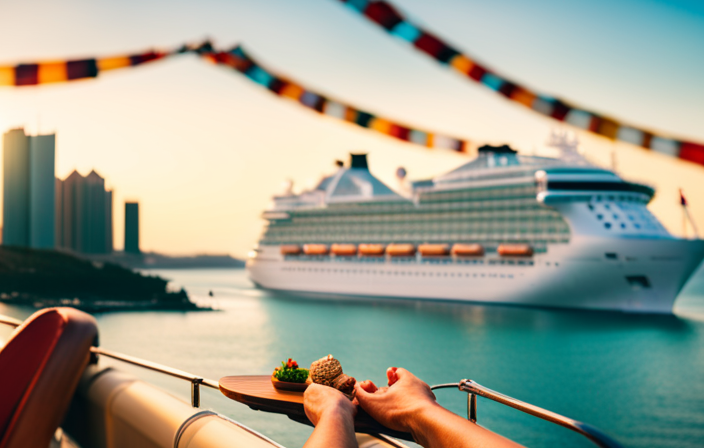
503, 228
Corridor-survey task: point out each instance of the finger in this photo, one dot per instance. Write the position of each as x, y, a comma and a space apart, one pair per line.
368, 386
391, 375
362, 395
401, 373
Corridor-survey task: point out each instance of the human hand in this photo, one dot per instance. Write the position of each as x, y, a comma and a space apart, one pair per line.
321, 402
397, 405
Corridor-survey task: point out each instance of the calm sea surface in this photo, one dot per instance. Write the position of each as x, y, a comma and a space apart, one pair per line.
639, 378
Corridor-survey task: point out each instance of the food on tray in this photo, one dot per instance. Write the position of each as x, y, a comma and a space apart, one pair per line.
328, 372
289, 372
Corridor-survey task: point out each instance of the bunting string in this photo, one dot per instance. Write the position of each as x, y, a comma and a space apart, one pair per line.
385, 15
242, 62
62, 71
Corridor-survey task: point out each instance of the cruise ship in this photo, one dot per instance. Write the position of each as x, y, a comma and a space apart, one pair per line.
504, 228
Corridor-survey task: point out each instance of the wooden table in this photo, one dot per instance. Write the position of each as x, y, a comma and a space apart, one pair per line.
257, 392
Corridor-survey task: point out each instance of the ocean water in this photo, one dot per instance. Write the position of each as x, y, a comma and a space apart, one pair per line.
639, 378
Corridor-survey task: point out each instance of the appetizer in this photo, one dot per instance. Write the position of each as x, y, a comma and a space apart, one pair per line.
289, 372
328, 372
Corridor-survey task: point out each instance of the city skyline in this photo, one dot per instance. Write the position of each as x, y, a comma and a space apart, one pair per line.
41, 211
217, 147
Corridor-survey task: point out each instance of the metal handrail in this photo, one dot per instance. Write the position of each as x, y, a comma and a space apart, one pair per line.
474, 389
196, 380
12, 322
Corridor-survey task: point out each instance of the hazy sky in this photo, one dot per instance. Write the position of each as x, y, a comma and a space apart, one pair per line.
203, 149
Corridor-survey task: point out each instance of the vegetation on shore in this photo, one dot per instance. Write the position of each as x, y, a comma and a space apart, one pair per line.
42, 278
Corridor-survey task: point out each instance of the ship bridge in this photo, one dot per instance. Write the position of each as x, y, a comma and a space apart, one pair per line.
494, 163
567, 184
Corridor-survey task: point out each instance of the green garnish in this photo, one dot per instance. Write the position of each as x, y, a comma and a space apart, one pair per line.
290, 372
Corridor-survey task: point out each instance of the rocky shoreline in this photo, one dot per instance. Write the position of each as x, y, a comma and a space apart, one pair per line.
46, 278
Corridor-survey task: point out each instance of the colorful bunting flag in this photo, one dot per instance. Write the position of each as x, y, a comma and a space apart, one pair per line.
387, 16
63, 71
242, 62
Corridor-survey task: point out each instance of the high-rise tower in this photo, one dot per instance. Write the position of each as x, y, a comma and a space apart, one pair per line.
15, 207
42, 186
85, 210
29, 190
132, 227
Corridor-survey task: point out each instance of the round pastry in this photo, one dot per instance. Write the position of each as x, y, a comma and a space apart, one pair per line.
328, 372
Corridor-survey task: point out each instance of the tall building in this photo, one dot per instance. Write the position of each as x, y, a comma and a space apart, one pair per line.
29, 190
108, 221
71, 206
58, 211
95, 224
132, 227
42, 191
84, 214
15, 207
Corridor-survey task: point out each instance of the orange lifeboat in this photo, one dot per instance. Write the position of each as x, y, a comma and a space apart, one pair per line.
371, 250
434, 250
315, 249
401, 250
468, 250
515, 250
290, 249
344, 250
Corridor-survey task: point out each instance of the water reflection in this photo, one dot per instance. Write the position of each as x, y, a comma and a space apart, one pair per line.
517, 317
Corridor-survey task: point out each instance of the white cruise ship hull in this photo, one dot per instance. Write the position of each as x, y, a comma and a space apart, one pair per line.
637, 275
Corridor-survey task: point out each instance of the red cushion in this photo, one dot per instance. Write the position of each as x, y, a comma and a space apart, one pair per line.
23, 358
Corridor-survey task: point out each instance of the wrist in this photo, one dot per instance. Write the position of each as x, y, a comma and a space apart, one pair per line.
338, 413
422, 420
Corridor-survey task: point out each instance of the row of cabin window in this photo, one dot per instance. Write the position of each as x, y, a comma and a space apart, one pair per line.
484, 227
399, 273
436, 237
405, 207
508, 214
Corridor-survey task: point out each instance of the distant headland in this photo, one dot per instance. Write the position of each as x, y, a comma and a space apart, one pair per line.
43, 278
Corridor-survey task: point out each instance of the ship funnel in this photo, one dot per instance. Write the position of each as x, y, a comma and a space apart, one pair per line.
359, 161
503, 149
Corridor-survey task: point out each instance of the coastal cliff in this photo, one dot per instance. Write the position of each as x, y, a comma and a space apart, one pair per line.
42, 278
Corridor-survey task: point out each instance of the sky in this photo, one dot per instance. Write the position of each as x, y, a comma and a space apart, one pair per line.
203, 149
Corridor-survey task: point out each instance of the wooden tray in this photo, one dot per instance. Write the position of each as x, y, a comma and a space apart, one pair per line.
257, 392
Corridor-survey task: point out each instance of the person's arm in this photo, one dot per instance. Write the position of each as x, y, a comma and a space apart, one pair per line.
333, 416
409, 405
